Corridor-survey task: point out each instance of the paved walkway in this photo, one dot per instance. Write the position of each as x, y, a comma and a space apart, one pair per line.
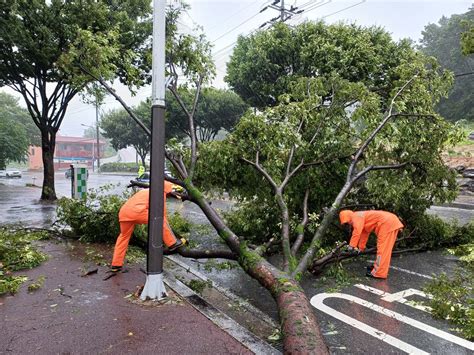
75, 314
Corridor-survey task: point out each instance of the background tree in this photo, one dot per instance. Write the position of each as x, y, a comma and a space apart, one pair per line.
124, 132
467, 37
36, 35
265, 64
217, 110
11, 108
14, 134
443, 41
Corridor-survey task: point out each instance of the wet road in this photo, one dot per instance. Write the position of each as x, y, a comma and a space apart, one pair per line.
388, 323
21, 204
385, 316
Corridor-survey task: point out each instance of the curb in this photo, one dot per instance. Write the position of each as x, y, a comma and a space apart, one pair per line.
229, 294
224, 322
464, 206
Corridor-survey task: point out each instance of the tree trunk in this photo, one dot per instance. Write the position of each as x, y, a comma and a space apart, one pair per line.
48, 143
299, 326
301, 334
142, 158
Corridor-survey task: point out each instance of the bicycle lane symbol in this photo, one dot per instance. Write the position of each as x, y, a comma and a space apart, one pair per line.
317, 301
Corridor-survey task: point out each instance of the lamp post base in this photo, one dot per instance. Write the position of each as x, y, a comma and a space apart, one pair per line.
154, 288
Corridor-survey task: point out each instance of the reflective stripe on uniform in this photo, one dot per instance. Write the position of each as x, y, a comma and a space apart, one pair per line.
377, 264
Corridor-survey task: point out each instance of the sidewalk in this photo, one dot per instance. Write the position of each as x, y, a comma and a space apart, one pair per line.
74, 314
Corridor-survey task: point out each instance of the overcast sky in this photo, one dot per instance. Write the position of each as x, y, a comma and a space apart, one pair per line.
224, 20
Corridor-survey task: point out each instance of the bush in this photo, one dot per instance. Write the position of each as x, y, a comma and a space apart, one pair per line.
452, 300
94, 219
120, 167
432, 232
453, 296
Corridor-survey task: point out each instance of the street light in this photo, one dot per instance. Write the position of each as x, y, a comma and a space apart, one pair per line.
97, 146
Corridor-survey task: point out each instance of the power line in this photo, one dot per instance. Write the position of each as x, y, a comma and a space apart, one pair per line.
285, 13
236, 13
316, 5
344, 9
234, 28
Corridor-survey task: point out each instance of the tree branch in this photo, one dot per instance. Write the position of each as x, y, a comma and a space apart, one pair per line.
378, 167
336, 255
137, 120
291, 174
192, 129
206, 254
299, 239
112, 92
377, 129
262, 171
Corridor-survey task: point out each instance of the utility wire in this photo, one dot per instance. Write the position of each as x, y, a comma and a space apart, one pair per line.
317, 5
238, 12
344, 9
234, 28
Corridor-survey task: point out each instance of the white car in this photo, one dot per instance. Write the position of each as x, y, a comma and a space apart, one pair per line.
13, 173
3, 173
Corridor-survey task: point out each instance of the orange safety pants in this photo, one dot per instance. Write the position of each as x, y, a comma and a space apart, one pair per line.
385, 243
126, 231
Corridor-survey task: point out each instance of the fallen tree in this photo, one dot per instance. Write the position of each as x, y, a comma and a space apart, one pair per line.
299, 324
275, 158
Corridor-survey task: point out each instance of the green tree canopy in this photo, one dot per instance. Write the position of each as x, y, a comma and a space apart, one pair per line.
124, 132
36, 40
265, 64
467, 37
443, 41
216, 110
14, 134
318, 137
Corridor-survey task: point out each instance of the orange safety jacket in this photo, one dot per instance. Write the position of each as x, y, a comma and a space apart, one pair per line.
137, 206
364, 222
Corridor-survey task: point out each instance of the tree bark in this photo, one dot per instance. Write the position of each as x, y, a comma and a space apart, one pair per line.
48, 144
301, 334
299, 326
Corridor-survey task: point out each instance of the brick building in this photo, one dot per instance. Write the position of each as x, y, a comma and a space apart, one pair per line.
69, 150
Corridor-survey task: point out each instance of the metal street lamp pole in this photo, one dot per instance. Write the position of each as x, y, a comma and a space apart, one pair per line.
154, 286
97, 135
93, 150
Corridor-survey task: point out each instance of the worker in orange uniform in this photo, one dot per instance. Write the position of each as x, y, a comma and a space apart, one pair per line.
386, 226
135, 211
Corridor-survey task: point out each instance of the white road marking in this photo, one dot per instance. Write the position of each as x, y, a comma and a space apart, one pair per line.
371, 289
317, 302
408, 271
399, 296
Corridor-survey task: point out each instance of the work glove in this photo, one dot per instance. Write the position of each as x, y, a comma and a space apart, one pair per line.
178, 189
352, 250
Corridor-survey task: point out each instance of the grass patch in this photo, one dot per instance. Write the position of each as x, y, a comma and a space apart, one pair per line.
212, 264
135, 255
199, 285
